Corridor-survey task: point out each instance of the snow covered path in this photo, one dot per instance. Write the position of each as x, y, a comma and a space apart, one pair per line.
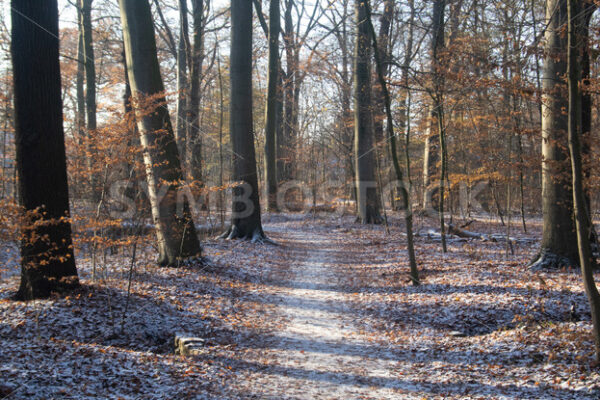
321, 354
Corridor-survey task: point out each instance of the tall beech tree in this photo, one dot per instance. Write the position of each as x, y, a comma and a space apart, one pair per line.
271, 110
173, 222
80, 82
245, 217
89, 64
287, 144
559, 239
368, 202
183, 46
431, 149
196, 58
575, 21
437, 44
383, 44
47, 261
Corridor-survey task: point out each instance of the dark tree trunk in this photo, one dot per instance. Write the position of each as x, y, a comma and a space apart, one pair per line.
368, 200
433, 150
79, 84
173, 222
90, 90
197, 58
80, 95
437, 45
280, 140
346, 124
586, 106
582, 221
382, 46
559, 239
47, 260
182, 82
271, 111
408, 219
245, 218
289, 134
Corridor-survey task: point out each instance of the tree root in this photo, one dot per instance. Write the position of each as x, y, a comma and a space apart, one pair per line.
546, 260
371, 220
257, 236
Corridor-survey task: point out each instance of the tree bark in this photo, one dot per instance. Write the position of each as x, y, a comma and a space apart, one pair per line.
559, 239
47, 260
197, 59
586, 111
368, 201
280, 139
438, 102
182, 82
430, 158
271, 111
408, 219
245, 218
382, 47
582, 221
80, 95
79, 84
90, 91
432, 152
173, 222
289, 134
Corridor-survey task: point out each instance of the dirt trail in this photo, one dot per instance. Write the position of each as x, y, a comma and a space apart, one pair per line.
320, 354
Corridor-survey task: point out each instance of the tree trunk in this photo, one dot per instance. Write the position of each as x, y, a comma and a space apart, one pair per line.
288, 96
586, 113
221, 120
197, 58
582, 222
368, 200
80, 95
382, 46
438, 28
559, 239
408, 219
182, 82
79, 84
245, 217
173, 222
90, 90
346, 119
271, 111
47, 260
280, 139
430, 159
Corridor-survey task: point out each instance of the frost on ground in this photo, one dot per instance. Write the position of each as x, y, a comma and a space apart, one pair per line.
327, 314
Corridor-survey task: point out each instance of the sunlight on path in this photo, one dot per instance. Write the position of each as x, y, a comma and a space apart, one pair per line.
321, 355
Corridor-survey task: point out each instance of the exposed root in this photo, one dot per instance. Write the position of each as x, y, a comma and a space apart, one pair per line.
549, 261
257, 236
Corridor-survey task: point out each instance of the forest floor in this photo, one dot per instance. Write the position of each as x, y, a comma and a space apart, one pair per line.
328, 313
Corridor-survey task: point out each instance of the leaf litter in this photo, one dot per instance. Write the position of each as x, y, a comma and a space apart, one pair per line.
329, 313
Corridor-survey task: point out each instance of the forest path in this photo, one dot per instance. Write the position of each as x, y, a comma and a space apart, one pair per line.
320, 353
